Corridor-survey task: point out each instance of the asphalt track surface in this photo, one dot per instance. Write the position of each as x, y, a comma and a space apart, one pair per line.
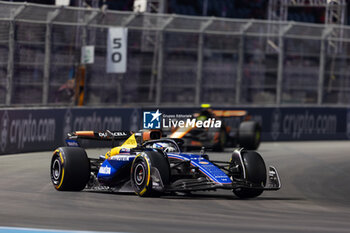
315, 197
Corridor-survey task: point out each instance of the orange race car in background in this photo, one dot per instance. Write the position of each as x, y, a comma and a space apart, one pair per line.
237, 129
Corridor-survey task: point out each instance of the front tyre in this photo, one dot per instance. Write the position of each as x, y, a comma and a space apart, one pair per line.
150, 169
70, 169
255, 171
249, 135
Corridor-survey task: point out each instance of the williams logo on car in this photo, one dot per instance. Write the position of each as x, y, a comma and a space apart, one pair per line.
105, 170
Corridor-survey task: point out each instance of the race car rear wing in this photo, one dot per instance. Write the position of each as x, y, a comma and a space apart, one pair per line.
141, 136
230, 113
104, 135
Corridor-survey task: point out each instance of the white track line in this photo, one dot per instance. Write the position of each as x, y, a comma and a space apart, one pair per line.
34, 230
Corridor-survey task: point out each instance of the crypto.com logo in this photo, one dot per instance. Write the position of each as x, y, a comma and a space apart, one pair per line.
276, 120
151, 120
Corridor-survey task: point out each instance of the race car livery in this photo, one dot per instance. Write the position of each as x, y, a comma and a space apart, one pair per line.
149, 165
237, 129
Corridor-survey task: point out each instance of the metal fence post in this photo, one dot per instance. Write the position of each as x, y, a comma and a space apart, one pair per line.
241, 61
280, 63
160, 60
11, 55
11, 51
325, 33
200, 60
47, 63
280, 70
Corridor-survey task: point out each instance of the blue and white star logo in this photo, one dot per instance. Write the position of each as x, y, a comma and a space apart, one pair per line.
151, 120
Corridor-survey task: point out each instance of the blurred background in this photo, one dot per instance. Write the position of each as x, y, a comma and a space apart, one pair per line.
179, 53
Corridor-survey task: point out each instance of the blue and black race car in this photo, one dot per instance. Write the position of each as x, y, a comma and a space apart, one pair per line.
151, 165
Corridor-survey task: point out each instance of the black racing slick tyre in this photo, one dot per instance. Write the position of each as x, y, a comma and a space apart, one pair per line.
249, 135
70, 169
220, 139
255, 170
150, 173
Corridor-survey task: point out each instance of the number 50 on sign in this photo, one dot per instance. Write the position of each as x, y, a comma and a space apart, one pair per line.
117, 50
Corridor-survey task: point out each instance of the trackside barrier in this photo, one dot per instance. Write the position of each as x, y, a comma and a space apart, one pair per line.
171, 59
26, 130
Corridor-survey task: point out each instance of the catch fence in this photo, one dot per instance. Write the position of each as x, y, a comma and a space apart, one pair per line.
172, 60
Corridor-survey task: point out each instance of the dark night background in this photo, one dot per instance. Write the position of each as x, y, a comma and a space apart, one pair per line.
256, 9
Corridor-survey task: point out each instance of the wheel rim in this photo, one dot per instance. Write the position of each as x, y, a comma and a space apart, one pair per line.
56, 170
139, 174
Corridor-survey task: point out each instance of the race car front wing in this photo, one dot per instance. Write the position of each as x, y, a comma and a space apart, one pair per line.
273, 182
200, 184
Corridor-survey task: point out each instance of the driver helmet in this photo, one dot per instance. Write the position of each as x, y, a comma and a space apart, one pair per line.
164, 146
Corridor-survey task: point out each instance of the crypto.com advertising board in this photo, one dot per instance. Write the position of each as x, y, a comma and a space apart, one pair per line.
25, 130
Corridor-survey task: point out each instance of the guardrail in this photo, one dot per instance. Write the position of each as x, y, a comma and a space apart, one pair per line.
172, 59
25, 130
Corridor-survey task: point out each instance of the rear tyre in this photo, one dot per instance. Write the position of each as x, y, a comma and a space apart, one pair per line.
255, 173
147, 168
249, 135
219, 140
70, 169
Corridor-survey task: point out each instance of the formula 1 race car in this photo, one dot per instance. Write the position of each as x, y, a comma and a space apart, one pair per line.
151, 165
242, 131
